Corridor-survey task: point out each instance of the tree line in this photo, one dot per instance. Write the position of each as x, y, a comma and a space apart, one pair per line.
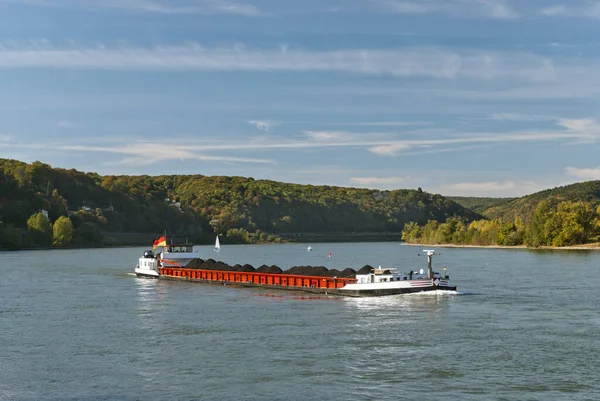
198, 207
564, 224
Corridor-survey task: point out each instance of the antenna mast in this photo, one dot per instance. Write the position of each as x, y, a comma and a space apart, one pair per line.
430, 254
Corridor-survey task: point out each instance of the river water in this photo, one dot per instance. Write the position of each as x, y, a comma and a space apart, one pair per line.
76, 325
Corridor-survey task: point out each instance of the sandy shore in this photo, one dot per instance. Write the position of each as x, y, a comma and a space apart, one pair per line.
584, 247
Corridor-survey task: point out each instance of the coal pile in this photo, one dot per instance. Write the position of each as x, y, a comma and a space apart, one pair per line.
346, 273
366, 269
246, 268
308, 271
195, 264
269, 269
320, 271
223, 267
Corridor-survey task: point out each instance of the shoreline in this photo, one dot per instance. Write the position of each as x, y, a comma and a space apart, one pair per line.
583, 247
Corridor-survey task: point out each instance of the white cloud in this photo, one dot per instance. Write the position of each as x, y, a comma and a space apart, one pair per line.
382, 144
581, 124
66, 124
379, 182
329, 135
263, 125
568, 81
589, 10
137, 153
521, 117
235, 8
500, 9
410, 62
380, 124
497, 9
554, 10
391, 149
155, 6
584, 173
408, 7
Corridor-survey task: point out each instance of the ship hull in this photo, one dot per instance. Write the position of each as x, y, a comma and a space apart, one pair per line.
295, 283
146, 273
392, 291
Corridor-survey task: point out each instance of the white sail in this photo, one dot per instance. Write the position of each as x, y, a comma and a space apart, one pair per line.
217, 245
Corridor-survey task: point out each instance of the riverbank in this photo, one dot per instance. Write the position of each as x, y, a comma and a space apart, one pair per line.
583, 247
121, 240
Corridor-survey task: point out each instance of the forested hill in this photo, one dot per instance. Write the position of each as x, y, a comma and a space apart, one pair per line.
196, 205
562, 216
478, 205
523, 208
92, 204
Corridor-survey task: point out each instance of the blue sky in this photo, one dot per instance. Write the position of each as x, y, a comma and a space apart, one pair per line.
458, 97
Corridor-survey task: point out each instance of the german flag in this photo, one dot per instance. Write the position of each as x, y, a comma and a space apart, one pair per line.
162, 241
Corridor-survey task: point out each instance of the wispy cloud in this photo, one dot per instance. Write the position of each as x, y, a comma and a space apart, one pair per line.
584, 173
521, 117
329, 135
589, 10
579, 124
263, 125
155, 6
382, 144
499, 9
66, 124
411, 62
379, 124
391, 149
137, 153
554, 10
408, 7
564, 79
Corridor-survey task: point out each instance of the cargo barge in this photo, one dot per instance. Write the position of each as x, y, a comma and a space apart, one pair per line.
367, 281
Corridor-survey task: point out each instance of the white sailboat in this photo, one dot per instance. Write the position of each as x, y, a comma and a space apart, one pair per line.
217, 245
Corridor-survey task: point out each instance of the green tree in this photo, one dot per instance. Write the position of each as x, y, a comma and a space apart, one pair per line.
571, 223
411, 232
452, 231
10, 238
237, 236
40, 229
89, 234
536, 231
62, 231
509, 235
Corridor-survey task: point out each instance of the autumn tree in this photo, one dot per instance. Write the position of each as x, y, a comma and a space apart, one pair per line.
570, 224
62, 231
411, 232
40, 229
